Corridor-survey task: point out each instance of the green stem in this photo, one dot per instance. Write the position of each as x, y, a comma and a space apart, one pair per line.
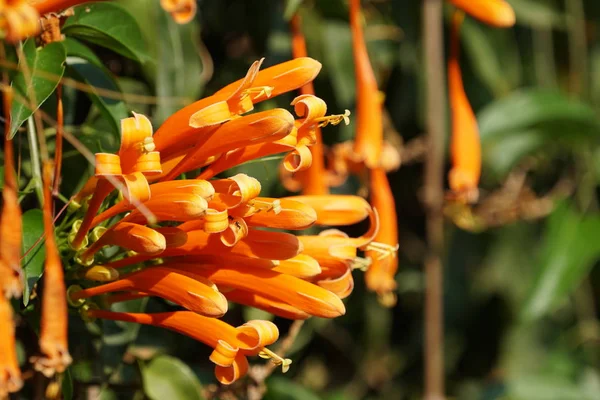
36, 168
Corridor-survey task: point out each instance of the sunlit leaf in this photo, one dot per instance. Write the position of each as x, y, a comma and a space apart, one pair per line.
166, 377
36, 82
108, 25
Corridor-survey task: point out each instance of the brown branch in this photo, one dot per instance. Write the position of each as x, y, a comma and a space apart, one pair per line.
434, 195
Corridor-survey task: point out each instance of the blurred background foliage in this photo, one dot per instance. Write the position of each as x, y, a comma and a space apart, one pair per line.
522, 285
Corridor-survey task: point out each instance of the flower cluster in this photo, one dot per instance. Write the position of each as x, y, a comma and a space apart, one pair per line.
201, 242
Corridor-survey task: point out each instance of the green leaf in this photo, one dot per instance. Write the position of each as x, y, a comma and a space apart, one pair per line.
67, 385
33, 261
166, 377
570, 249
536, 107
108, 25
537, 13
87, 68
279, 388
291, 7
45, 69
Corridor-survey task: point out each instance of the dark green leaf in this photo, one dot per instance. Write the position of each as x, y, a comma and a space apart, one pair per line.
98, 78
108, 25
570, 249
67, 385
44, 71
279, 388
166, 377
33, 261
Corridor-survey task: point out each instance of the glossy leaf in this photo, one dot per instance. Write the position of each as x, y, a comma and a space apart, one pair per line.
33, 86
33, 261
570, 249
166, 377
108, 25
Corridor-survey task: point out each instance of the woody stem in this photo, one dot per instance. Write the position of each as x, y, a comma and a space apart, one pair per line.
434, 194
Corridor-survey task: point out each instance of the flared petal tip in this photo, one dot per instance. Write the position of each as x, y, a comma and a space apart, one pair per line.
51, 363
213, 305
10, 381
505, 18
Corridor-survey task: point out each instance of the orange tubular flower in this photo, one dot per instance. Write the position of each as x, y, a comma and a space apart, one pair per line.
47, 6
11, 282
465, 146
190, 125
18, 20
231, 344
182, 11
313, 178
492, 12
136, 160
336, 209
291, 290
369, 126
10, 374
53, 337
380, 275
198, 295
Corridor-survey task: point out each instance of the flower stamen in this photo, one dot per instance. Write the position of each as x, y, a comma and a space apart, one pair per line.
334, 119
276, 359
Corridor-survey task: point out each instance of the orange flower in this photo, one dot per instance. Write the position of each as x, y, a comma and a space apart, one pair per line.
289, 289
182, 11
369, 126
53, 333
198, 295
11, 281
465, 146
47, 6
10, 374
493, 12
136, 160
231, 345
380, 277
18, 20
313, 178
336, 209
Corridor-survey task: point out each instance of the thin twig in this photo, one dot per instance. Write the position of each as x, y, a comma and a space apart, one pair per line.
434, 194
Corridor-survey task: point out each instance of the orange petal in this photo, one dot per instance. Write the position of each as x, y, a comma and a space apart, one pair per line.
294, 291
54, 319
341, 286
299, 48
171, 207
282, 78
301, 266
182, 11
497, 13
10, 374
252, 129
369, 120
291, 214
196, 295
336, 209
107, 164
174, 237
270, 305
198, 187
11, 283
298, 159
138, 238
465, 146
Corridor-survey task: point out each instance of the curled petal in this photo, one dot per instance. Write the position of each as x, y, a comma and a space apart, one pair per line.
228, 375
336, 209
236, 231
196, 295
134, 131
107, 164
294, 291
148, 163
258, 332
136, 188
298, 160
311, 109
224, 354
242, 185
341, 286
